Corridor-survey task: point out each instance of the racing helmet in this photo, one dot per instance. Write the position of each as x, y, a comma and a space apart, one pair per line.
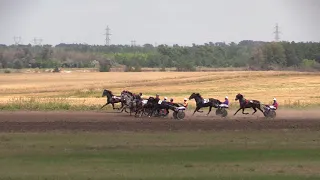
226, 97
185, 99
165, 98
274, 99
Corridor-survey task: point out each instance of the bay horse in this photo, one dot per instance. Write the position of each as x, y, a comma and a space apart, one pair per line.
254, 104
111, 99
200, 103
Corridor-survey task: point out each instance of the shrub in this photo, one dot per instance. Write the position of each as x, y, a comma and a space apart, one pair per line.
56, 69
7, 71
137, 68
163, 69
104, 67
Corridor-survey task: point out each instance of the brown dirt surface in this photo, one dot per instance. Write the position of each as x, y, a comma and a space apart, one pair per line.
24, 121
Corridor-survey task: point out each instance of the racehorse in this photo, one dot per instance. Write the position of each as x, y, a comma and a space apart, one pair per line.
111, 99
145, 106
200, 102
131, 102
254, 104
154, 105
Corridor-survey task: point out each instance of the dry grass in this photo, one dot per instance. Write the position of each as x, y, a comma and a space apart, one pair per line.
290, 88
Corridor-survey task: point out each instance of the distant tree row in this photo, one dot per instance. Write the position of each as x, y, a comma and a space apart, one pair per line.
251, 54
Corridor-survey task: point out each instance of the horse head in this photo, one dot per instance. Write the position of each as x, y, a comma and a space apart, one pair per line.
239, 97
193, 95
106, 93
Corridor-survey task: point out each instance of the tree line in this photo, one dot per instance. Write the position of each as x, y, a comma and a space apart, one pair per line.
255, 55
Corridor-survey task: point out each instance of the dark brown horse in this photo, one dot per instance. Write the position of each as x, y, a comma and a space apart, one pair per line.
244, 103
200, 102
112, 99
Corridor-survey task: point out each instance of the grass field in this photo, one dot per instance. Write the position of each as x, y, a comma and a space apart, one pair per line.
239, 155
84, 89
288, 154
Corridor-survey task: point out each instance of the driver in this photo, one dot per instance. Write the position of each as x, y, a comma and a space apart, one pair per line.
157, 97
274, 105
171, 101
138, 98
225, 103
185, 102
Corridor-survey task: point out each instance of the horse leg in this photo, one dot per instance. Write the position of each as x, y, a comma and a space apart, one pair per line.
122, 109
237, 111
210, 108
167, 110
255, 110
244, 112
142, 112
104, 105
130, 110
136, 113
151, 112
260, 109
112, 105
197, 109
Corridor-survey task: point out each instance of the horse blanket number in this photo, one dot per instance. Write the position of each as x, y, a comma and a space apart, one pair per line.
116, 97
144, 102
205, 101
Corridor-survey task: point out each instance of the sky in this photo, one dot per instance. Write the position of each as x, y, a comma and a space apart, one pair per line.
170, 22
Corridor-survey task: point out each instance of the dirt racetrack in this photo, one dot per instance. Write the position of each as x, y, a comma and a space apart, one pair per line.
23, 121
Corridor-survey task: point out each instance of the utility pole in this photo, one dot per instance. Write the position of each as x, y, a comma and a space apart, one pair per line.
107, 36
133, 43
17, 40
277, 33
37, 41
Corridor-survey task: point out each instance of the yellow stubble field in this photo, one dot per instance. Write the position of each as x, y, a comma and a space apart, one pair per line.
290, 88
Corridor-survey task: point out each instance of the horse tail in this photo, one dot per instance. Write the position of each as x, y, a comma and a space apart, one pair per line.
257, 103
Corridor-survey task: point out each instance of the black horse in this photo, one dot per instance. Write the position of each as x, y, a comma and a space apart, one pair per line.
200, 103
111, 99
254, 104
155, 105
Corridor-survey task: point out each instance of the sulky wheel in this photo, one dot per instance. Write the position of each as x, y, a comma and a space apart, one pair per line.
175, 115
146, 111
180, 115
272, 114
224, 113
218, 112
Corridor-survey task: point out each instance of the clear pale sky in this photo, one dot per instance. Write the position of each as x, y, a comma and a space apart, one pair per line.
158, 21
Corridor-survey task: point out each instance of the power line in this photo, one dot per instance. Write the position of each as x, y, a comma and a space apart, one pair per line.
107, 36
277, 33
